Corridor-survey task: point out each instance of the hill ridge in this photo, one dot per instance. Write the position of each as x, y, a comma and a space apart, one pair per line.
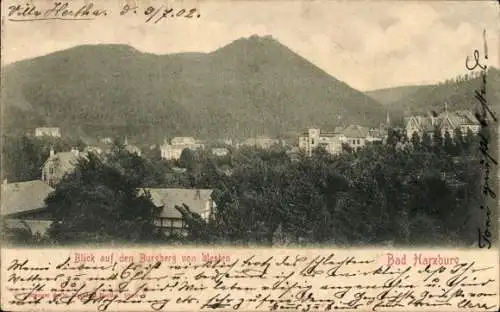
251, 86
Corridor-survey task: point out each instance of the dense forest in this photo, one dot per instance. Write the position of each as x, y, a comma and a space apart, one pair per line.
458, 93
408, 191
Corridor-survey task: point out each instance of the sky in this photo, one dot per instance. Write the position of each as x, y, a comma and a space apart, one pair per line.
367, 44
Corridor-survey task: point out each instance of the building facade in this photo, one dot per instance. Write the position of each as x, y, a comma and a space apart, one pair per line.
220, 151
174, 150
314, 138
444, 122
355, 136
48, 132
58, 165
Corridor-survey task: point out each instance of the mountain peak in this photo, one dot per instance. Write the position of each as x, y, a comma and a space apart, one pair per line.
252, 43
107, 48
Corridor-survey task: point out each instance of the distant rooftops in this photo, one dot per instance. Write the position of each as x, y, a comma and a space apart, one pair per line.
455, 119
356, 131
351, 131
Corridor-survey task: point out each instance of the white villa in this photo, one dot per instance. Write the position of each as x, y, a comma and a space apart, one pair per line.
354, 135
174, 150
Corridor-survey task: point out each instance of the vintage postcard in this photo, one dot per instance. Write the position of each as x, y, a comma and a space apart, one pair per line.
249, 155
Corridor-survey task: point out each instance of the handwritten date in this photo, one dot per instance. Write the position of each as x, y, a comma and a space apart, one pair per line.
68, 11
156, 14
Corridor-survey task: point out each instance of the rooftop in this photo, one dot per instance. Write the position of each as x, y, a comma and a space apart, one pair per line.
356, 131
25, 196
67, 160
168, 198
456, 119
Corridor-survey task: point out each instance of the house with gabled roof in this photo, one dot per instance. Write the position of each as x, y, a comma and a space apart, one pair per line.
58, 165
170, 219
355, 135
132, 149
420, 125
444, 122
463, 120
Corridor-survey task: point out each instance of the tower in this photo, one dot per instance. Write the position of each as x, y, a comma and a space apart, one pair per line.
313, 135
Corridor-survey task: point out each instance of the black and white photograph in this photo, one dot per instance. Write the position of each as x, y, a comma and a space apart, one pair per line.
250, 123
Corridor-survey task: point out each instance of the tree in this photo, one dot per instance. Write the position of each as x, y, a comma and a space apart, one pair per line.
347, 148
437, 140
426, 141
24, 155
394, 136
470, 142
449, 147
153, 154
99, 203
187, 159
415, 140
23, 158
459, 141
198, 229
144, 172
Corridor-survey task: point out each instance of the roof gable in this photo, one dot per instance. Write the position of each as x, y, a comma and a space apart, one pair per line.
66, 160
356, 131
451, 121
412, 122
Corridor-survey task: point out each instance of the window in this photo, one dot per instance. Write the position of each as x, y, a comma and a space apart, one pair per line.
312, 141
358, 141
51, 170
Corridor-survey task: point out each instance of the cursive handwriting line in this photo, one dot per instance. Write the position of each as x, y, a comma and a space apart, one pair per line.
49, 18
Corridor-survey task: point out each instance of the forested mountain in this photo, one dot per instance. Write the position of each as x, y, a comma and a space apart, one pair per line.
253, 86
388, 96
458, 93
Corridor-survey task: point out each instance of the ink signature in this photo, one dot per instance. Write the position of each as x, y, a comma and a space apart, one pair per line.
485, 116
